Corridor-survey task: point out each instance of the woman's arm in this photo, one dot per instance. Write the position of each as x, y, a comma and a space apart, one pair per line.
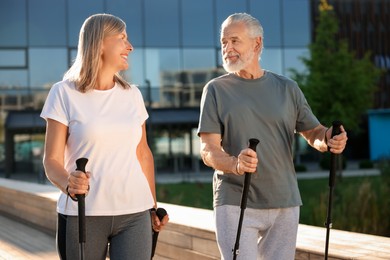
53, 161
145, 157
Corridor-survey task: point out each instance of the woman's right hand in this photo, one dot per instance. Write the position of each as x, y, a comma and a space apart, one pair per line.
78, 183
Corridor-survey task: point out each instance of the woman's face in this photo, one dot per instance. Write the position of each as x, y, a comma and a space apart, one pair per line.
115, 51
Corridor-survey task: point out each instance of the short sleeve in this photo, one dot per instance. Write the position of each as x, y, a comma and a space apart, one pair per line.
143, 113
54, 107
209, 120
306, 120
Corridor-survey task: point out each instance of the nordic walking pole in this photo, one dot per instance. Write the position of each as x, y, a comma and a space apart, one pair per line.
161, 213
80, 163
332, 175
244, 197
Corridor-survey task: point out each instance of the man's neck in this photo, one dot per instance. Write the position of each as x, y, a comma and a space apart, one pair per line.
250, 74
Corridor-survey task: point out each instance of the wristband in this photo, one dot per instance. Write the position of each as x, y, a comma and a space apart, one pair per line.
326, 138
67, 191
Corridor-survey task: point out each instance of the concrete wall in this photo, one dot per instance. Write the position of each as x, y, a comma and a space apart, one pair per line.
190, 232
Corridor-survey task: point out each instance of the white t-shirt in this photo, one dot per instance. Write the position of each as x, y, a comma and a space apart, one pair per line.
105, 127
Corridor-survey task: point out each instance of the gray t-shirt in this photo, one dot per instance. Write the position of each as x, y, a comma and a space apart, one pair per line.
270, 109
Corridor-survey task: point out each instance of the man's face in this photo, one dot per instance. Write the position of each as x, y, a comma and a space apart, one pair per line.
238, 49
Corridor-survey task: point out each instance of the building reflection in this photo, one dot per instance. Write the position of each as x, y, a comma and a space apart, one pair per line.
176, 51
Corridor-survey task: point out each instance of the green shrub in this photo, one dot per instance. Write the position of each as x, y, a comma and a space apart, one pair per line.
384, 167
325, 161
360, 204
300, 168
366, 164
358, 207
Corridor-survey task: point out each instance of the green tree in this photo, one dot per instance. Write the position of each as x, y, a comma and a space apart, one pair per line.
337, 84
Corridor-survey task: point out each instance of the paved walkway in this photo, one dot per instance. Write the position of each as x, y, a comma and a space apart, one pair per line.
19, 241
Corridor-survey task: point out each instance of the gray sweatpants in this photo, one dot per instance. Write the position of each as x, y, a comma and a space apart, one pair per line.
266, 234
128, 237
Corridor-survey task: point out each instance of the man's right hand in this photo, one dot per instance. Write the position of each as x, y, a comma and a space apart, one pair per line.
247, 161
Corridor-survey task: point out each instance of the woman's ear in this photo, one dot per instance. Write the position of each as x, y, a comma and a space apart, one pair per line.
101, 48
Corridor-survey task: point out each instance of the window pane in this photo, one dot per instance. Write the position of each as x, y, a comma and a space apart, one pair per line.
13, 78
131, 13
268, 13
198, 24
72, 56
169, 59
161, 23
78, 12
13, 58
296, 23
47, 28
136, 75
152, 57
47, 66
13, 23
292, 59
136, 72
219, 55
199, 58
271, 59
159, 61
161, 64
199, 68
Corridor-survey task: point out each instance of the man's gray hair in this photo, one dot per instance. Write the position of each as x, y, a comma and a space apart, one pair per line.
254, 27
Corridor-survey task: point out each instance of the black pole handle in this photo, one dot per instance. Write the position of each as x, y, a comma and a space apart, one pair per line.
332, 175
81, 163
252, 145
253, 142
80, 166
336, 130
334, 157
161, 213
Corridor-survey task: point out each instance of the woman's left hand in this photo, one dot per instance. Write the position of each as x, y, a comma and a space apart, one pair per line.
156, 223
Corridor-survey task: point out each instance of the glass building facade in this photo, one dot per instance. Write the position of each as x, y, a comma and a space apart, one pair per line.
39, 38
176, 51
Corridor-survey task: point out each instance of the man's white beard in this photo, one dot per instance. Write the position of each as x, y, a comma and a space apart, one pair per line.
238, 65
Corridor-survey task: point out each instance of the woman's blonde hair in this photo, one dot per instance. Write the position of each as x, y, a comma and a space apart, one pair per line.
84, 70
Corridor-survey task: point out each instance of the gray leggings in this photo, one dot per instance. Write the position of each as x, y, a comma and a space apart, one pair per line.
128, 237
266, 234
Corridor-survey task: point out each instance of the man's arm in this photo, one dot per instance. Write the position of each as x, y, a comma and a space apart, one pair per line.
214, 156
320, 138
